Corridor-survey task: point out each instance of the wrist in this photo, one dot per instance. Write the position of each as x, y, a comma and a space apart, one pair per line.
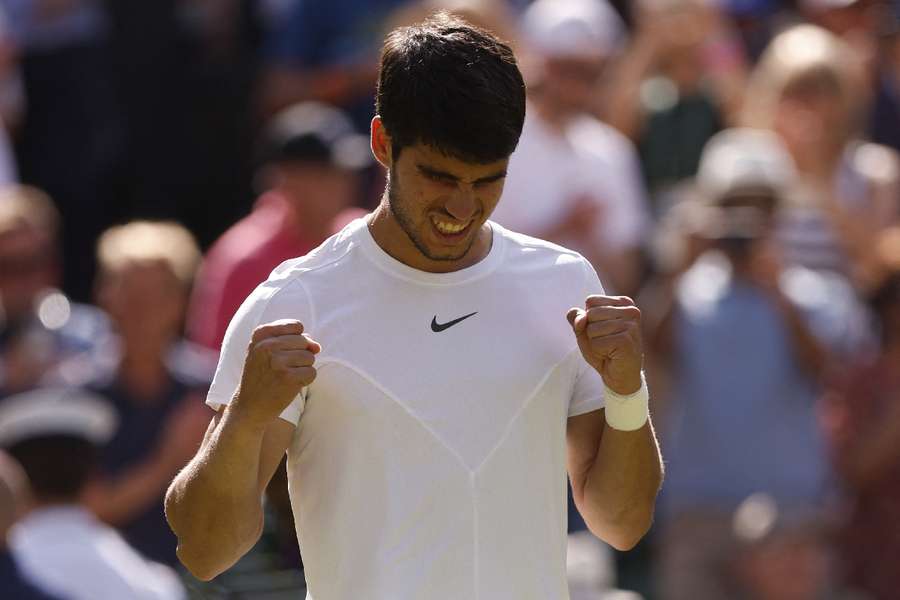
627, 412
241, 416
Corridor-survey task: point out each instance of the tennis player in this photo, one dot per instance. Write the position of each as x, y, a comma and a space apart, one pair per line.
431, 375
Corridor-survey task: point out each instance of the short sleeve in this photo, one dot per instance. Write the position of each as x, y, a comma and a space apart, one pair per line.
587, 393
267, 303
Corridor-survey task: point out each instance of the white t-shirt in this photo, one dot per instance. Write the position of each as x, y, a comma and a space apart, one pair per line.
68, 552
429, 458
550, 172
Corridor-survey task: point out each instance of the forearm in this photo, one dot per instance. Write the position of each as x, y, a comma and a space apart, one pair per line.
214, 505
617, 493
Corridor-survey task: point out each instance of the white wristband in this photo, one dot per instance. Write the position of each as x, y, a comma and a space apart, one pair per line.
628, 413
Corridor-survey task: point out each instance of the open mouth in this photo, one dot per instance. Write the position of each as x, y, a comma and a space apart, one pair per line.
448, 230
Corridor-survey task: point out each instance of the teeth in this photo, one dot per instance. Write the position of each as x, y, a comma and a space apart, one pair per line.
448, 227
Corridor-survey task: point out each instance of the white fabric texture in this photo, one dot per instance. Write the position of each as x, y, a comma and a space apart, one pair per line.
429, 464
70, 553
588, 160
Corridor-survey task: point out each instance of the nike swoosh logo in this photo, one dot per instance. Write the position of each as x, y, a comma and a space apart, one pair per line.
439, 327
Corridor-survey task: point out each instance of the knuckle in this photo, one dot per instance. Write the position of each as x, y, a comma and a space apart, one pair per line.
306, 375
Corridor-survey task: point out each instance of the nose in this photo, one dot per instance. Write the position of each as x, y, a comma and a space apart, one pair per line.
462, 206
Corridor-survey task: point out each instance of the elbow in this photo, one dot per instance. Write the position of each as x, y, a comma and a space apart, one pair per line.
625, 536
206, 558
204, 570
628, 528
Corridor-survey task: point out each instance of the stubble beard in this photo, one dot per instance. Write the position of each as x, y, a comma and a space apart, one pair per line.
399, 210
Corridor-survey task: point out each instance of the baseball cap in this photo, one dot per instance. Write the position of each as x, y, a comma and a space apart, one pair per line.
742, 160
573, 28
56, 411
315, 132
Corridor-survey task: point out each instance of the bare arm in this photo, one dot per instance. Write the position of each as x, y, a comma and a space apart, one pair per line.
615, 474
214, 505
615, 477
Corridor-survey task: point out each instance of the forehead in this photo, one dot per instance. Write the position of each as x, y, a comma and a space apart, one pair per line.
422, 155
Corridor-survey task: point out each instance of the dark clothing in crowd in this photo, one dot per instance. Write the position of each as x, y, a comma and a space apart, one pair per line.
141, 424
884, 121
16, 587
70, 145
337, 35
673, 138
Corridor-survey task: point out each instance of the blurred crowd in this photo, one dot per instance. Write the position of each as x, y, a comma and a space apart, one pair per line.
731, 164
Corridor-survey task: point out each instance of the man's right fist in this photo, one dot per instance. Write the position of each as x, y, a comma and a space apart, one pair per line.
279, 365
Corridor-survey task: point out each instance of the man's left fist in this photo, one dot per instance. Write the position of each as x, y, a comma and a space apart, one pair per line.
608, 331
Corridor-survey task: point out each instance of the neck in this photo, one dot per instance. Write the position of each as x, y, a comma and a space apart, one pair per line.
392, 238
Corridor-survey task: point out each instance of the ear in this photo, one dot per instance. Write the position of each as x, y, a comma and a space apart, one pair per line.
381, 143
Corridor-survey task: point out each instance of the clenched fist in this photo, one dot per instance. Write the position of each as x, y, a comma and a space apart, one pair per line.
608, 331
278, 366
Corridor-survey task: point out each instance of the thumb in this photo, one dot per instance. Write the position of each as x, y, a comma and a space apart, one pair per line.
577, 319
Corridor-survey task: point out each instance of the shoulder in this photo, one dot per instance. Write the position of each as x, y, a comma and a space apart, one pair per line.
518, 245
550, 262
291, 274
291, 288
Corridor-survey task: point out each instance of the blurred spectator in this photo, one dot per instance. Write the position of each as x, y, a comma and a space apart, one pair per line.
184, 74
11, 100
807, 87
574, 180
54, 434
749, 341
681, 79
12, 96
71, 139
327, 51
855, 21
39, 327
755, 21
782, 555
496, 16
311, 158
12, 503
863, 420
154, 381
883, 124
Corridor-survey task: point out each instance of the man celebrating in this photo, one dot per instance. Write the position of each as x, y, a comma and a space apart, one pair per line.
430, 424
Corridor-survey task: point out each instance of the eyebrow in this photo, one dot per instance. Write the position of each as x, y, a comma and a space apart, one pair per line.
438, 174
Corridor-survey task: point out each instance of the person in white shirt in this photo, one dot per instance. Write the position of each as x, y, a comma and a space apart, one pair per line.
575, 180
54, 434
430, 424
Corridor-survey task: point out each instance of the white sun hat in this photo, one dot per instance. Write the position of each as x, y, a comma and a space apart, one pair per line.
573, 28
743, 159
56, 411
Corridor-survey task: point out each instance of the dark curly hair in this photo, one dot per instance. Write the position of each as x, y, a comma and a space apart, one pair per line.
451, 86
